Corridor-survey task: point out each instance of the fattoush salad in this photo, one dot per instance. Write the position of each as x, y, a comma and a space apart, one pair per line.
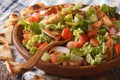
94, 33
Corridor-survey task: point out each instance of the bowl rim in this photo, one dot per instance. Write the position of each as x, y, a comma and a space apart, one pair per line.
109, 64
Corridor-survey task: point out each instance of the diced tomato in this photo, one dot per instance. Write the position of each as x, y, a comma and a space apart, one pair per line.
91, 34
66, 33
84, 62
31, 19
37, 16
82, 40
34, 18
117, 49
94, 42
72, 44
41, 46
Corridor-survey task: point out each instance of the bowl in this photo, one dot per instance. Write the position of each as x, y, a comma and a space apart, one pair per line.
59, 69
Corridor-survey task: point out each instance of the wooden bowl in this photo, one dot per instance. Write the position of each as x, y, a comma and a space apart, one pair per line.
59, 69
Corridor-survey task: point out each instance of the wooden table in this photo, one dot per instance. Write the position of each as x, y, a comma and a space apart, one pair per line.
110, 75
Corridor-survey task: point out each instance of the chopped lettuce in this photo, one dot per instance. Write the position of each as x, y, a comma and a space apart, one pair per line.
116, 39
101, 38
93, 18
43, 38
76, 58
71, 9
36, 38
96, 60
35, 28
90, 11
86, 49
109, 11
117, 23
45, 57
89, 59
77, 33
97, 54
63, 57
33, 50
91, 14
102, 31
99, 49
22, 22
94, 55
77, 22
55, 27
68, 17
76, 51
82, 23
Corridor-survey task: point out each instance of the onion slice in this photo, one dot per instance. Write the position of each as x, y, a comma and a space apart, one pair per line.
118, 34
60, 49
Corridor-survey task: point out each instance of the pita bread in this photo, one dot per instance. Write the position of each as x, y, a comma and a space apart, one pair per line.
13, 17
12, 20
31, 9
12, 66
6, 35
5, 53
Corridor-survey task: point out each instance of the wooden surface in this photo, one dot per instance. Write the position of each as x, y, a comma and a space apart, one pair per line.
111, 75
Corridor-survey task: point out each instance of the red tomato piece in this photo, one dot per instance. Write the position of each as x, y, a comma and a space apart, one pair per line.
91, 33
82, 40
31, 19
66, 33
94, 42
34, 18
117, 49
41, 46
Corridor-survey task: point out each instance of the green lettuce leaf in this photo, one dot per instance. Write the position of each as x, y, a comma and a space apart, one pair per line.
109, 11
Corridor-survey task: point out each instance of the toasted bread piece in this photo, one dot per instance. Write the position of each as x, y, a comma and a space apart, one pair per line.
107, 21
6, 35
5, 53
12, 20
13, 17
12, 67
52, 19
31, 9
97, 24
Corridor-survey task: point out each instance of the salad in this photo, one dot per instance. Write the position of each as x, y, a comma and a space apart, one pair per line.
94, 34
